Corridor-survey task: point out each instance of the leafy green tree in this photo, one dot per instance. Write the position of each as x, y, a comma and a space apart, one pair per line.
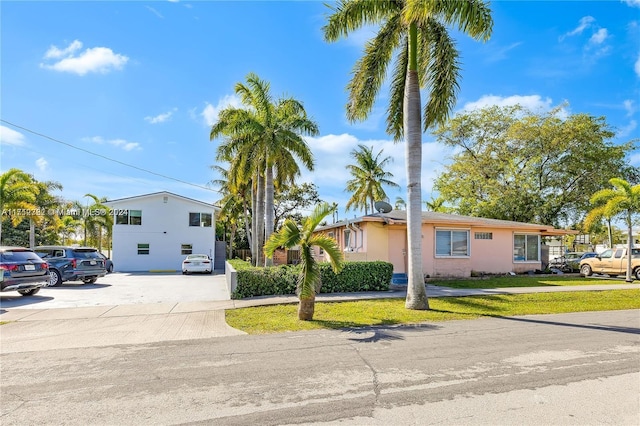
290, 235
18, 191
368, 177
269, 133
514, 164
96, 222
437, 205
292, 200
623, 200
426, 57
400, 204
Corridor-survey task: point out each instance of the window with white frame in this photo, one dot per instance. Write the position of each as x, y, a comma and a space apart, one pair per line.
186, 249
526, 248
200, 219
347, 238
451, 242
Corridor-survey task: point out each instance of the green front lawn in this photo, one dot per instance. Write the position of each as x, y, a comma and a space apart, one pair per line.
337, 315
524, 281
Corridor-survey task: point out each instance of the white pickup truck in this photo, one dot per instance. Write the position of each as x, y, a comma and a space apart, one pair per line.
612, 262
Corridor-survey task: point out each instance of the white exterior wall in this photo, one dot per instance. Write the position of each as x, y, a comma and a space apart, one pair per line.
165, 227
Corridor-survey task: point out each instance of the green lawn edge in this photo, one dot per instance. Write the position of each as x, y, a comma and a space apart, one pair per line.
387, 312
525, 281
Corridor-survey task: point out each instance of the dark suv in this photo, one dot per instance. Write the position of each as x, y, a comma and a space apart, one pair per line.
72, 264
22, 270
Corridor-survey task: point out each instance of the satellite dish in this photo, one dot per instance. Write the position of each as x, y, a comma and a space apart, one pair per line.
383, 207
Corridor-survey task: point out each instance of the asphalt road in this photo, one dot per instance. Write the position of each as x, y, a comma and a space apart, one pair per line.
124, 289
570, 369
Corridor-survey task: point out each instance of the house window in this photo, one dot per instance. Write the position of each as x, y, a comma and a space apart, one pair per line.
452, 243
186, 249
129, 217
347, 239
526, 248
200, 219
143, 248
483, 236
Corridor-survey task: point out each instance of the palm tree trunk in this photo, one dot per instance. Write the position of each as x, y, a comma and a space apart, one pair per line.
254, 220
269, 211
629, 246
306, 308
259, 233
416, 291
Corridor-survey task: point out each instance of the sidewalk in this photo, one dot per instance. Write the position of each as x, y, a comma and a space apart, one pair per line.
64, 328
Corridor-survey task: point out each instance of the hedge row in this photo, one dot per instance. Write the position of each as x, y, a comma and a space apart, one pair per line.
277, 280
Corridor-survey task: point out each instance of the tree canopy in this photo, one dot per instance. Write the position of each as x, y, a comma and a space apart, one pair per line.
515, 164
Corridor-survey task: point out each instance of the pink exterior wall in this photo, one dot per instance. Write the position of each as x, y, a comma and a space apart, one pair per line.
388, 243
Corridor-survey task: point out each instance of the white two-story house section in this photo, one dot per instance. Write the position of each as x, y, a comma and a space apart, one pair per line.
154, 232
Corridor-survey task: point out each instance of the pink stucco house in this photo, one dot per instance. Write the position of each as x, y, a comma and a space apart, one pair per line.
453, 245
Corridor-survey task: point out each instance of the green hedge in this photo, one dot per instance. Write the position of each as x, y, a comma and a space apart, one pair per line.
277, 280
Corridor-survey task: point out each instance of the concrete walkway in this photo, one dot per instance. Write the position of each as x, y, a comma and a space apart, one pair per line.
50, 329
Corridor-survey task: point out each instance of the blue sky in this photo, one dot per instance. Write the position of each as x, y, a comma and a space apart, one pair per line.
141, 82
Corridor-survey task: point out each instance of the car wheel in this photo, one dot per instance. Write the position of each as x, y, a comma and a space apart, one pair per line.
55, 279
90, 280
585, 270
29, 292
110, 270
636, 274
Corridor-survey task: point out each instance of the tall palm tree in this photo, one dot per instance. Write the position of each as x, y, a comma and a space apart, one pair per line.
368, 177
270, 133
18, 190
623, 199
426, 57
290, 235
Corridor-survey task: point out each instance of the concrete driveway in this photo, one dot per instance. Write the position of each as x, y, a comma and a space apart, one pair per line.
124, 289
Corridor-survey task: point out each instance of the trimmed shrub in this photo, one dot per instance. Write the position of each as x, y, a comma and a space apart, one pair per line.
278, 280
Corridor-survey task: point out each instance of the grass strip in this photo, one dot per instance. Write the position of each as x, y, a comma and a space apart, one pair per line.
338, 315
525, 281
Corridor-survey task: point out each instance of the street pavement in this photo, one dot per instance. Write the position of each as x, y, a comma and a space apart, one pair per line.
31, 328
567, 369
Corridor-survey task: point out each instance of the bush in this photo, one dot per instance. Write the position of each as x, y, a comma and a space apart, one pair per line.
277, 280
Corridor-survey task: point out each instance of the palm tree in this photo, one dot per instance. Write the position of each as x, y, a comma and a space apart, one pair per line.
623, 199
437, 205
290, 235
95, 219
268, 133
368, 177
426, 57
18, 190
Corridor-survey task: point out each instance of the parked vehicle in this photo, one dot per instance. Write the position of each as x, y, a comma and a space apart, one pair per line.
197, 263
22, 270
72, 264
612, 262
570, 262
108, 264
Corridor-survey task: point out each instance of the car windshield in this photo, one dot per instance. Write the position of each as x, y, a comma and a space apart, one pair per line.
197, 256
18, 256
573, 255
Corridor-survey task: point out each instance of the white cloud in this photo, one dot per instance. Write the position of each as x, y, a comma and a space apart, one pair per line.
636, 67
120, 143
629, 106
160, 118
11, 137
155, 12
210, 112
532, 102
42, 164
585, 22
599, 36
632, 3
626, 130
95, 59
55, 53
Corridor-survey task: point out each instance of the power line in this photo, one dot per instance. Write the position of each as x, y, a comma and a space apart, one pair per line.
107, 158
